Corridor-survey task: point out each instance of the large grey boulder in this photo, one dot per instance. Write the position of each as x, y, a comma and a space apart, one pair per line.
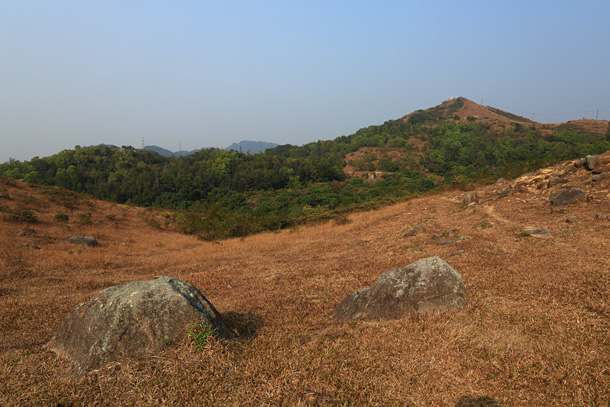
133, 320
427, 285
568, 196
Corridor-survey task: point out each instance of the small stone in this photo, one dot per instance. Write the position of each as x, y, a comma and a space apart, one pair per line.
83, 241
417, 230
601, 215
501, 181
536, 231
470, 197
458, 253
601, 177
572, 219
26, 232
444, 242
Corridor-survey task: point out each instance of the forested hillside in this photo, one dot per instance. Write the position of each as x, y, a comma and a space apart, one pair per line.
226, 193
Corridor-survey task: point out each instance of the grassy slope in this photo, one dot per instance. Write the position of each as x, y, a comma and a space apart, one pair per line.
535, 331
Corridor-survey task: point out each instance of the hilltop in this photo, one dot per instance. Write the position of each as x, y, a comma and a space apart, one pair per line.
232, 194
534, 332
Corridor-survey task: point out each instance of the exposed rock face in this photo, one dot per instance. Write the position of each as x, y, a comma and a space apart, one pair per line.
83, 241
132, 320
568, 196
427, 285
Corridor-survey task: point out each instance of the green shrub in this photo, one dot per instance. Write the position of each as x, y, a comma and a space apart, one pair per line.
84, 218
61, 217
24, 216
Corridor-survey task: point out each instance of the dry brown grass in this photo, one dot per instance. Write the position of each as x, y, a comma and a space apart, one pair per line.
535, 332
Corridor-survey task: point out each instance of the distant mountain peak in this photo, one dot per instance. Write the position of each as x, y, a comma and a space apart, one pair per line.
252, 147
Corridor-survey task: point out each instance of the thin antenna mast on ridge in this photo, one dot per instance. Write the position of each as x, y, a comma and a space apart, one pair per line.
142, 143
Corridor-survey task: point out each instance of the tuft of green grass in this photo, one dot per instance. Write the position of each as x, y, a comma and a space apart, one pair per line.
199, 333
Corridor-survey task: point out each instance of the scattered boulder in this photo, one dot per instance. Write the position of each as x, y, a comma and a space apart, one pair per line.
83, 241
592, 162
417, 230
601, 170
501, 181
428, 285
556, 181
580, 162
470, 197
601, 215
133, 320
572, 219
601, 177
445, 242
570, 169
568, 196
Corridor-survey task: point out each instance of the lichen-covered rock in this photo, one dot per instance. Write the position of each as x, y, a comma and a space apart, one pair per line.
83, 241
427, 285
133, 320
568, 196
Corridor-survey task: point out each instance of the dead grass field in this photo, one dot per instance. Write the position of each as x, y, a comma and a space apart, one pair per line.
535, 332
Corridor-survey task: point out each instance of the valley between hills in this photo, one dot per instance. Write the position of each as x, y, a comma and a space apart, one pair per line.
535, 331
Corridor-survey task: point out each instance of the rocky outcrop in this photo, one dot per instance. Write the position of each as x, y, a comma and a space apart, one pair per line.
133, 320
83, 241
568, 196
427, 285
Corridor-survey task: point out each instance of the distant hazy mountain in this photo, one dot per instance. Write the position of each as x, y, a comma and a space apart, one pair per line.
244, 146
167, 153
251, 147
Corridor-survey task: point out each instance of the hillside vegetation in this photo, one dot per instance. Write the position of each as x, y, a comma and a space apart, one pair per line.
534, 333
227, 193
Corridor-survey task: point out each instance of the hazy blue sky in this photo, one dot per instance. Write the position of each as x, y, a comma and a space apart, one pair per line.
205, 73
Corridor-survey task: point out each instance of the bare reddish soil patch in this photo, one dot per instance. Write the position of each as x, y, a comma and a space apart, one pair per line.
535, 331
